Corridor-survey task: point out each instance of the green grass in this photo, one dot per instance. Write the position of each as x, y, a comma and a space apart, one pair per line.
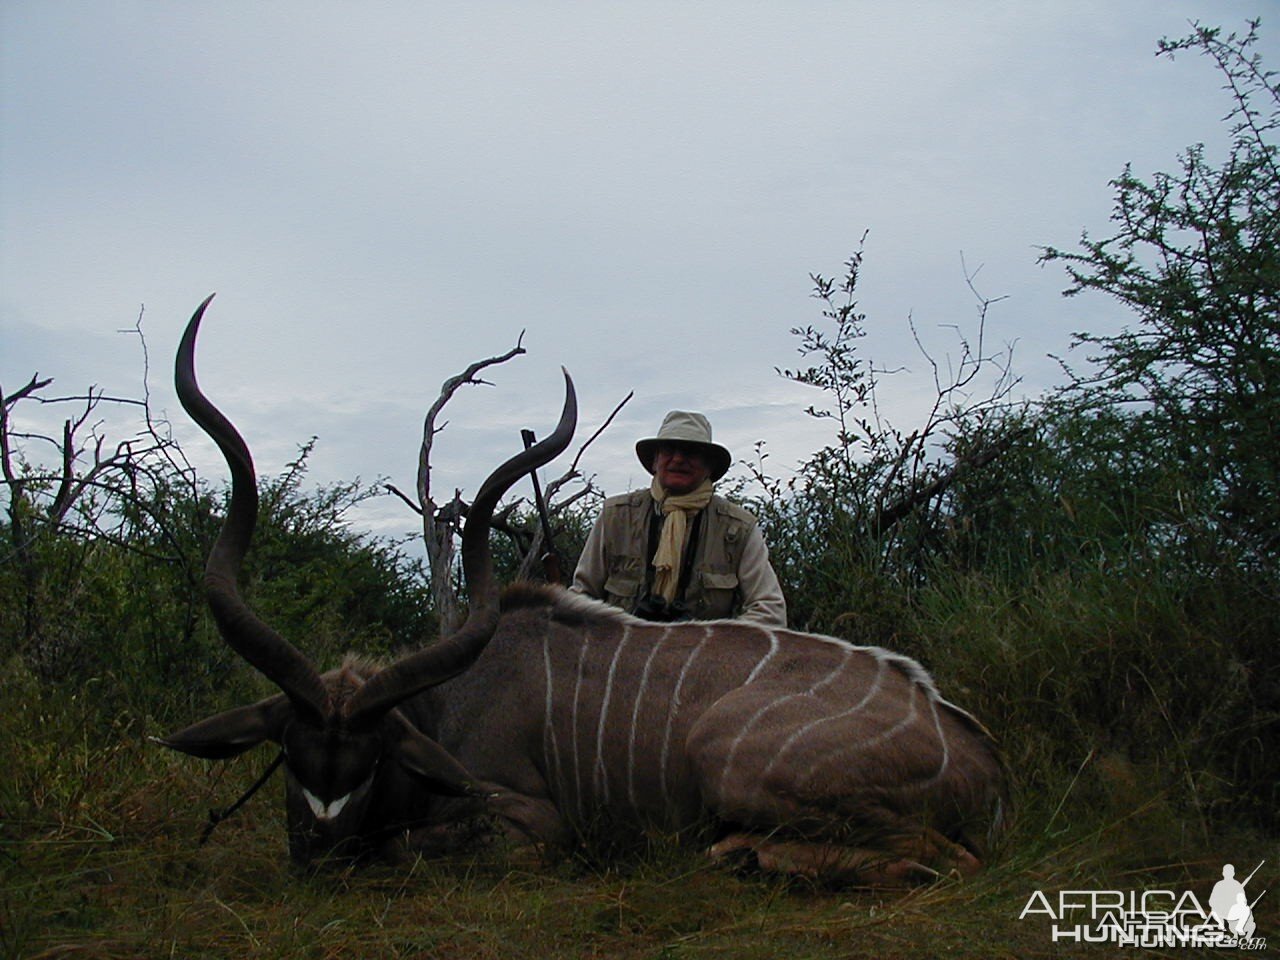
1134, 716
99, 858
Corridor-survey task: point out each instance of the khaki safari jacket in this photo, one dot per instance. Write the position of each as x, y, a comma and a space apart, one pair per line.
730, 577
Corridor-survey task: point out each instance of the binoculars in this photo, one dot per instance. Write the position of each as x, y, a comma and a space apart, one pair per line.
659, 610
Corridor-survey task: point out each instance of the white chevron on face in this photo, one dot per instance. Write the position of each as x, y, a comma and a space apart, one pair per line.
325, 811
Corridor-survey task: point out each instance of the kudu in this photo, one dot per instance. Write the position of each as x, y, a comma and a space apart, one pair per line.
548, 712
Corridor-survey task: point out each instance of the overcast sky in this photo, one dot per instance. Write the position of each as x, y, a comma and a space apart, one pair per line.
381, 192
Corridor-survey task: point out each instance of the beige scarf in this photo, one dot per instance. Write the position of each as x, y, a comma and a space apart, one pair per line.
677, 509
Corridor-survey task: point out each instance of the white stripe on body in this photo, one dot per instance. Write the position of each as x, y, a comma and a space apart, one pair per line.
942, 741
884, 735
596, 768
573, 724
773, 648
550, 746
881, 666
635, 715
600, 780
707, 633
785, 698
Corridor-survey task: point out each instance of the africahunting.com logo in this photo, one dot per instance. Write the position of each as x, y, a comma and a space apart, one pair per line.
1154, 918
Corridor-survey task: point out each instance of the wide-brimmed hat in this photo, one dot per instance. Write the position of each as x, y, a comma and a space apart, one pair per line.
681, 426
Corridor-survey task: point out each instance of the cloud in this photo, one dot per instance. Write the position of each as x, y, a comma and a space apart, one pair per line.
382, 193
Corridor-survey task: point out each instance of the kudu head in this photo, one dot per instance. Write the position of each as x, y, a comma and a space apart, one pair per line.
343, 740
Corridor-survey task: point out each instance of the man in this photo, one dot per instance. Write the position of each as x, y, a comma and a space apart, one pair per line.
677, 551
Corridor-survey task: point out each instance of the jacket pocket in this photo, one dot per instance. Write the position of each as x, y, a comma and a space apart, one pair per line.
621, 590
720, 581
719, 593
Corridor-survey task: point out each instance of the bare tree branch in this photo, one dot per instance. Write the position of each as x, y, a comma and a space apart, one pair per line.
441, 524
80, 485
916, 498
873, 473
554, 486
447, 390
412, 504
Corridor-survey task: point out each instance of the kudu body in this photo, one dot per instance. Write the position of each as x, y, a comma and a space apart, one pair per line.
552, 713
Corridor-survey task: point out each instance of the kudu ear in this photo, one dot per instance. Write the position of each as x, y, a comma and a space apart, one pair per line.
233, 732
423, 757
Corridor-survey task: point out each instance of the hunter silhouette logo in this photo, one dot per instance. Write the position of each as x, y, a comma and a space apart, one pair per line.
1154, 918
1230, 903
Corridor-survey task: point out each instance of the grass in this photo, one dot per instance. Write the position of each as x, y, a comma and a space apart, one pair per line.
99, 858
1135, 719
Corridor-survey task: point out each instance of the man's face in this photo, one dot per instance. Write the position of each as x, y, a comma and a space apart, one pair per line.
680, 467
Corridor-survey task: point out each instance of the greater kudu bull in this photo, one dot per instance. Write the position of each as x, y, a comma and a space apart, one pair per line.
548, 712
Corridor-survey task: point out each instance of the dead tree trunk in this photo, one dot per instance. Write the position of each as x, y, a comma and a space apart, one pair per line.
441, 524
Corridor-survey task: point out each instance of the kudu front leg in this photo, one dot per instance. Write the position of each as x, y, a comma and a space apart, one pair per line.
921, 860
